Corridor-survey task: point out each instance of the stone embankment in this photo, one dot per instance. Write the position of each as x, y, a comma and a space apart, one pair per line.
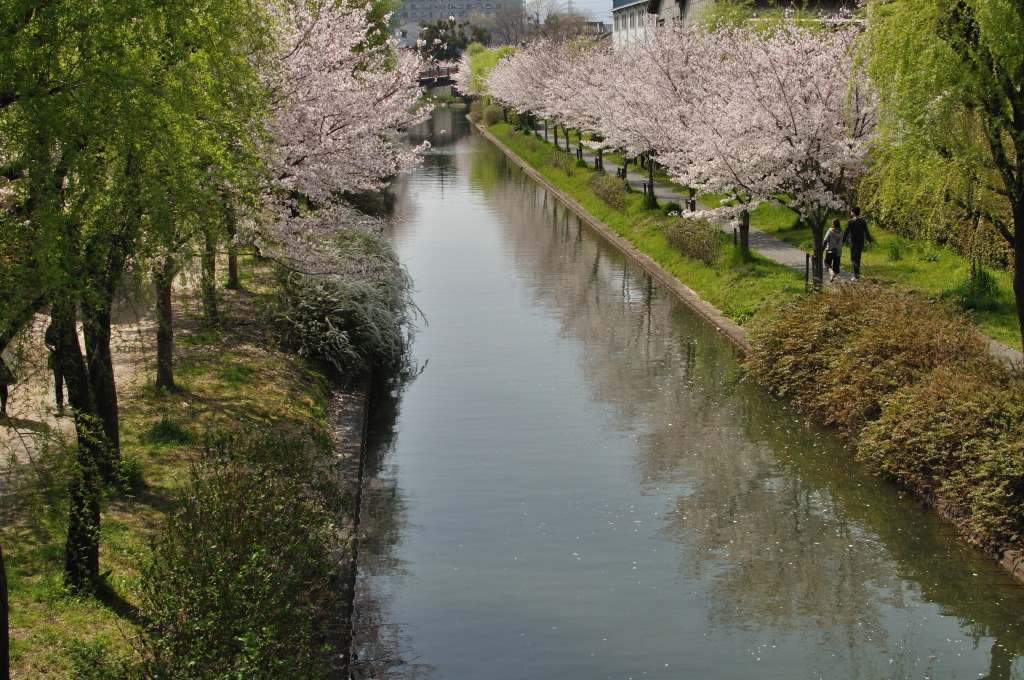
729, 328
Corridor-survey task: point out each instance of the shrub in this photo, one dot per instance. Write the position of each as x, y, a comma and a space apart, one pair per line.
476, 110
611, 190
563, 161
699, 239
838, 356
979, 291
958, 435
128, 479
651, 202
166, 431
239, 584
894, 252
493, 114
351, 320
671, 208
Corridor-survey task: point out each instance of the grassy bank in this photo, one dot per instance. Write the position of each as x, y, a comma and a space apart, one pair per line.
737, 287
247, 416
935, 271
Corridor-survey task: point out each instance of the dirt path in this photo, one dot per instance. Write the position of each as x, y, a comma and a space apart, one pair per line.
34, 419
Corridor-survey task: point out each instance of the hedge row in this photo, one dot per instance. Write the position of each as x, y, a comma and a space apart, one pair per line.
912, 383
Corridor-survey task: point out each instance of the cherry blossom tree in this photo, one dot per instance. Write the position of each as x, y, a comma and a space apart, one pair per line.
796, 120
651, 118
463, 76
526, 80
339, 96
340, 105
754, 111
535, 79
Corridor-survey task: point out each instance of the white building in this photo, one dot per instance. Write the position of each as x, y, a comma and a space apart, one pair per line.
628, 21
628, 15
424, 12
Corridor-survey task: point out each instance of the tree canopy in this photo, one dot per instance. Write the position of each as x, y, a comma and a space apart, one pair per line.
951, 144
446, 39
134, 133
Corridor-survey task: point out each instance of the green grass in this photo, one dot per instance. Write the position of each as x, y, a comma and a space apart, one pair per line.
229, 383
737, 288
923, 266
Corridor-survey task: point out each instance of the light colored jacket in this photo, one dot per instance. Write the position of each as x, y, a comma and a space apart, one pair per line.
833, 239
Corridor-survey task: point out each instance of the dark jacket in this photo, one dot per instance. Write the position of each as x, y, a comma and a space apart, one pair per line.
856, 232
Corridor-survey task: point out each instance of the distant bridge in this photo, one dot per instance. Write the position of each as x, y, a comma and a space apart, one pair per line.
438, 77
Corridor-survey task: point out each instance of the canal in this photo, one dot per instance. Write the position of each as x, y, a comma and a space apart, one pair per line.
581, 484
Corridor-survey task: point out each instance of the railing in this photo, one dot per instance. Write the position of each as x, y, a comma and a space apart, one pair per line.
441, 72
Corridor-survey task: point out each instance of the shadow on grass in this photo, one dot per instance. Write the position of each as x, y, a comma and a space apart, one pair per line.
106, 595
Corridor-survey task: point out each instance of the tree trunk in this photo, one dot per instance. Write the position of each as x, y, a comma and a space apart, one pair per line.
745, 233
1018, 271
208, 278
600, 158
5, 640
100, 365
81, 552
817, 264
231, 222
163, 280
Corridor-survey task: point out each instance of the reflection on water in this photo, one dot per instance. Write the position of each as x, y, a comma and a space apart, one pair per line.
582, 485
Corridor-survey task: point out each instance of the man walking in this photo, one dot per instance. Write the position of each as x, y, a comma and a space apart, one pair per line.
856, 232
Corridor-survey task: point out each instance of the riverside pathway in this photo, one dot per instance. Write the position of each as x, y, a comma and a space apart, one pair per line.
34, 420
768, 246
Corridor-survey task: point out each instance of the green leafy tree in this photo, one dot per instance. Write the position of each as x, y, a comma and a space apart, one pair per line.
447, 39
951, 83
106, 109
5, 642
481, 60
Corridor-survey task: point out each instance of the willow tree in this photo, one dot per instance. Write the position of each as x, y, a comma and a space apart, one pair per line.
951, 83
104, 109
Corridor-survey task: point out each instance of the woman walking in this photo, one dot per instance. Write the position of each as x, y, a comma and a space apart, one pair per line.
833, 249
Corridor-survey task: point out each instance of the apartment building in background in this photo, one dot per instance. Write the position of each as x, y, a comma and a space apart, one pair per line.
424, 12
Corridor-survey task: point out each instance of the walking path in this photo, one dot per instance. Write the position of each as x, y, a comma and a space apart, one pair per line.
34, 420
770, 247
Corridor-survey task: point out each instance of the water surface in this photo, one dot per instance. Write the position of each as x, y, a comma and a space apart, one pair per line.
580, 484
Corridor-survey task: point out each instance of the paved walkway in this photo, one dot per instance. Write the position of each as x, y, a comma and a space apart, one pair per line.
765, 244
34, 419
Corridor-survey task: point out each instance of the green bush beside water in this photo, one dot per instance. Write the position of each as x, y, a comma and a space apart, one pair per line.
345, 322
218, 548
911, 382
245, 563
